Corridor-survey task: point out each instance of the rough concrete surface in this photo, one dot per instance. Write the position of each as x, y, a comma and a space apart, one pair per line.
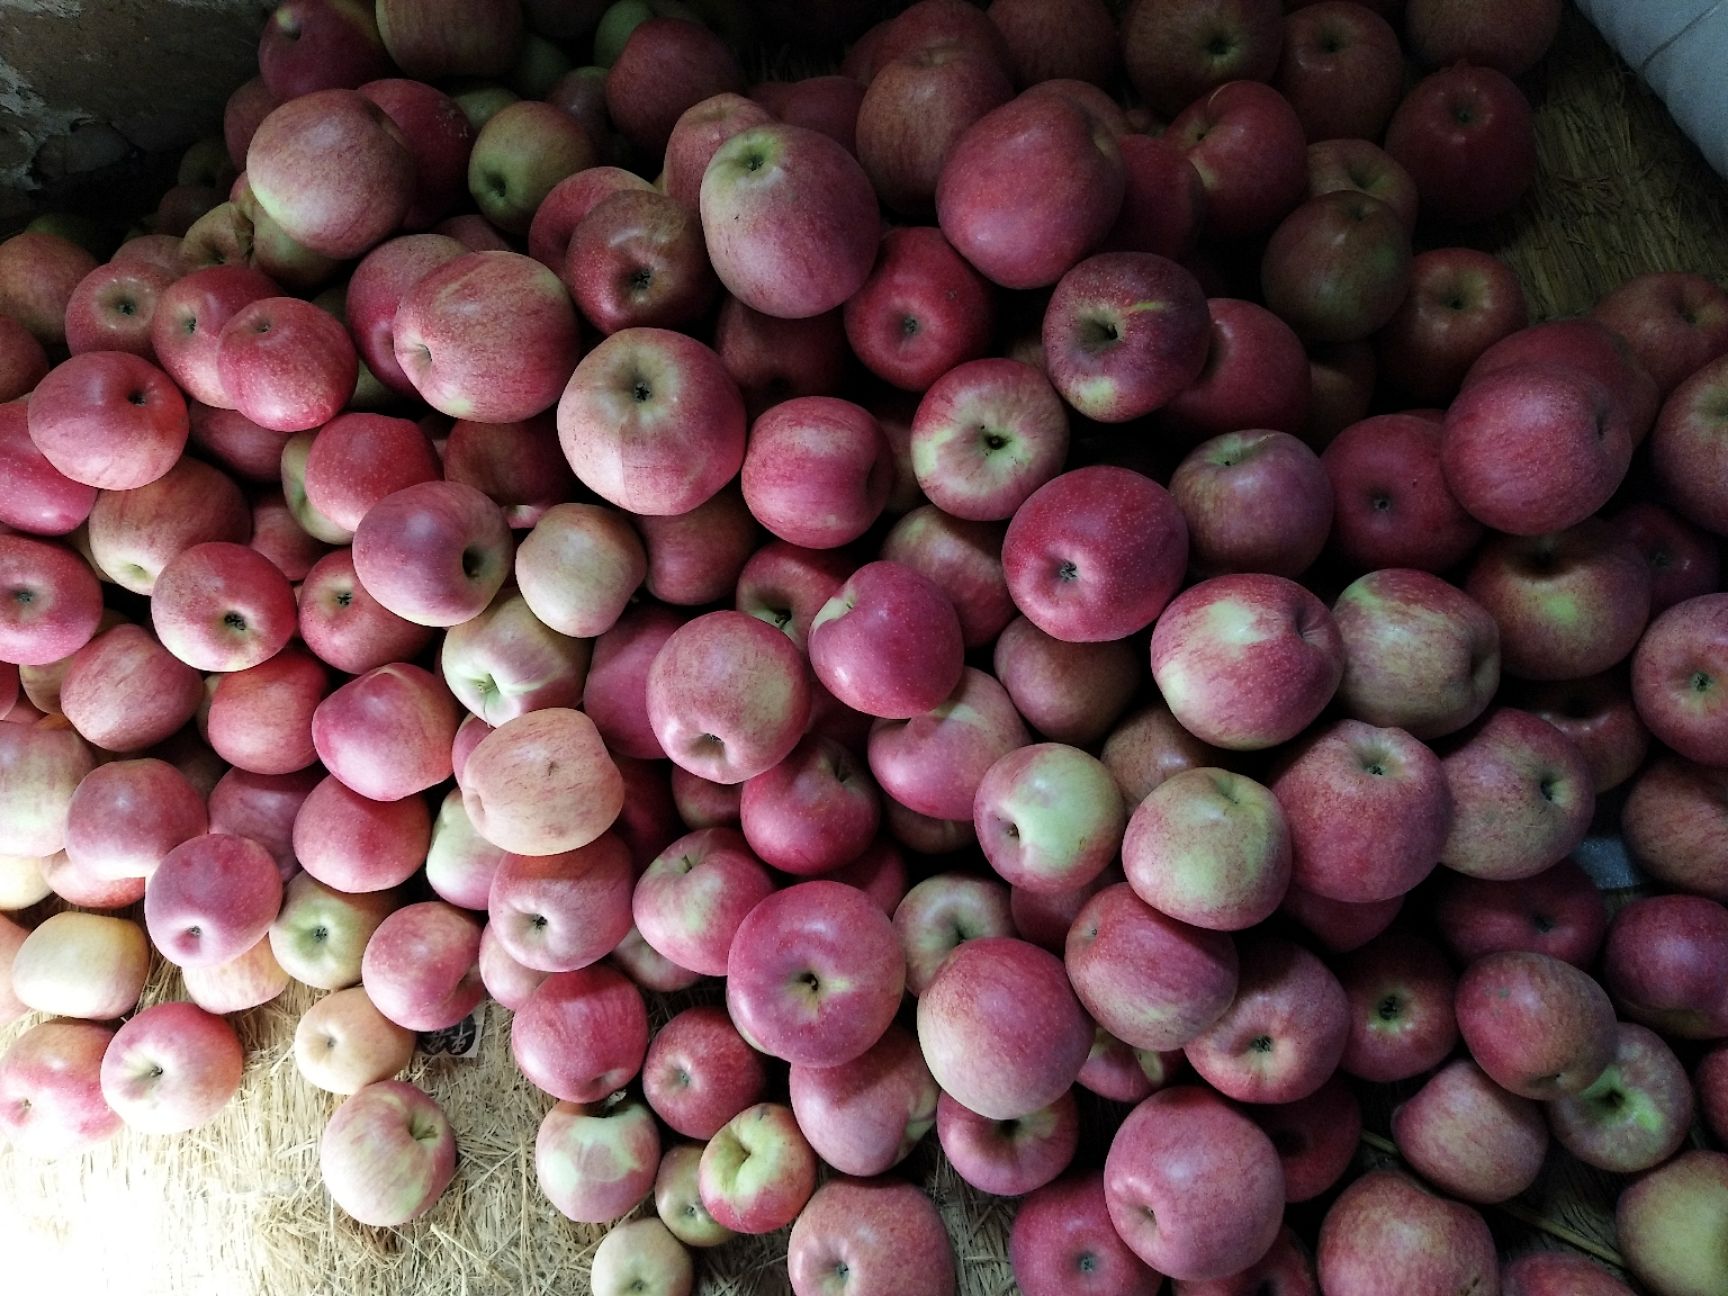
88, 86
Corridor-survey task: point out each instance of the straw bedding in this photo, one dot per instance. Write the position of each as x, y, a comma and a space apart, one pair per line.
237, 1208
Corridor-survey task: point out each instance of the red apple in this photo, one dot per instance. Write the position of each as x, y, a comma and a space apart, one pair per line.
563, 912
700, 1073
1666, 963
1509, 39
814, 812
111, 309
581, 1035
1070, 693
387, 734
637, 259
171, 1068
1248, 145
1461, 302
1678, 675
1558, 912
1558, 1273
262, 807
1686, 449
135, 533
1522, 797
986, 435
211, 899
666, 66
39, 272
247, 981
440, 139
108, 419
1400, 991
1317, 1139
1465, 135
260, 719
865, 1116
883, 1237
40, 499
922, 312
963, 558
123, 691
222, 607
692, 898
126, 815
434, 553
1393, 507
24, 363
774, 359
1468, 1136
387, 1154
1072, 38
1670, 824
1685, 562
816, 471
1338, 267
914, 110
51, 1102
345, 626
1064, 1244
1387, 1230
1635, 1115
357, 844
1255, 376
757, 1172
1342, 70
1013, 1157
1254, 501
1175, 52
1539, 1027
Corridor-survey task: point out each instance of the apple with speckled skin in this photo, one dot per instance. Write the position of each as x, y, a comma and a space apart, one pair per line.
1255, 501
1388, 1233
1469, 1137
1558, 1273
1670, 1225
1522, 797
885, 1238
690, 901
342, 1043
435, 553
888, 642
699, 1072
757, 1172
1063, 1244
1049, 817
1539, 1027
387, 1153
865, 1116
51, 1102
211, 898
1680, 679
420, 966
1637, 1112
596, 1162
171, 1068
1666, 964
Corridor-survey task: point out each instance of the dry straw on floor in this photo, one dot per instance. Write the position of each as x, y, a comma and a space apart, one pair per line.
237, 1208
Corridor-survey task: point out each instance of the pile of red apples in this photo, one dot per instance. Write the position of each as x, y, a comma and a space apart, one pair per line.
1002, 592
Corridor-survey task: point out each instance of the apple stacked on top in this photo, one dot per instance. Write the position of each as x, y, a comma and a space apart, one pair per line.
1130, 600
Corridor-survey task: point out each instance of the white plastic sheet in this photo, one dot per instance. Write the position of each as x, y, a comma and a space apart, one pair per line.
1680, 48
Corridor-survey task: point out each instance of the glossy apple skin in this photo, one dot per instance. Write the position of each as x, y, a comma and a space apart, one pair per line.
1686, 449
1022, 240
355, 460
596, 1162
1248, 145
286, 365
109, 419
816, 472
126, 815
1539, 1027
1670, 1224
1063, 1244
1246, 661
53, 605
1469, 1137
1181, 1155
1254, 501
1049, 817
1387, 1232
345, 626
222, 607
922, 312
1118, 532
387, 734
376, 290
815, 974
582, 1035
211, 899
562, 912
888, 642
435, 553
186, 330
637, 259
776, 197
1461, 302
51, 1102
112, 307
1400, 990
933, 763
814, 812
699, 1073
1009, 1158
886, 1237
41, 499
865, 1116
171, 1068
1677, 677
693, 897
1666, 964
134, 534
1465, 134
1393, 507
387, 1154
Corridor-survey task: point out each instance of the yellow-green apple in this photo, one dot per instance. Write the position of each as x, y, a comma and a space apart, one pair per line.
23, 362
1070, 39
1209, 848
111, 309
211, 899
1419, 654
987, 434
816, 472
814, 812
1368, 810
1342, 70
1680, 679
1400, 991
815, 974
1283, 1035
1063, 1242
1338, 267
1511, 39
666, 66
260, 719
345, 626
1558, 1273
1175, 52
940, 913
1685, 561
641, 1257
1461, 302
475, 38
38, 273
108, 419
1387, 1233
1539, 1027
596, 1162
523, 150
1688, 448
310, 45
1558, 912
914, 110
81, 965
582, 1034
1148, 747
699, 1073
1392, 506
21, 882
245, 981
1248, 145
560, 912
332, 170
1666, 963
171, 1068
772, 359
491, 336
882, 1237
1246, 661
460, 863
387, 1153
1522, 797
778, 196
758, 1172
888, 642
134, 534
1316, 1138
387, 734
1095, 554
933, 763
652, 422
579, 567
1193, 1186
1255, 376
922, 312
506, 980
865, 1116
81, 886
51, 1102
1023, 239
615, 696
419, 966
678, 1198
1049, 817
320, 934
40, 499
691, 899
1254, 501
123, 691
1671, 1224
964, 559
356, 459
518, 465
220, 606
1675, 323
342, 1043
637, 259
1009, 1158
1569, 604
1071, 693
1672, 823
1469, 1137
1465, 135
296, 452
1637, 1112
728, 696
285, 364
1123, 333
